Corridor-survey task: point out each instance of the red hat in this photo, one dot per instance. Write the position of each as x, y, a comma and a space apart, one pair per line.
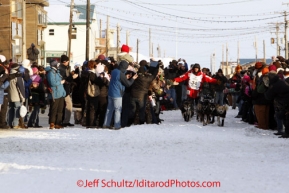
101, 57
124, 48
272, 68
258, 65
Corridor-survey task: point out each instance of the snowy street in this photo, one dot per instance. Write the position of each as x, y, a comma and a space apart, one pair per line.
239, 156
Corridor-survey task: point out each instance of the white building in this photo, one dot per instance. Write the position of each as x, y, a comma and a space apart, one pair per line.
56, 37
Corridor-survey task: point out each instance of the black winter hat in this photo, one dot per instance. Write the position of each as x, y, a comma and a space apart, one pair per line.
174, 62
143, 63
197, 66
53, 63
141, 70
64, 58
15, 66
220, 71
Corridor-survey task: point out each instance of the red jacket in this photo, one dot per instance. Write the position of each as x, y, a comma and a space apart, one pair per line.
195, 82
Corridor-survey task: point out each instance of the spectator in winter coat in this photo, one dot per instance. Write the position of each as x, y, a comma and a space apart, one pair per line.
26, 71
219, 87
4, 83
279, 92
37, 98
139, 91
126, 107
16, 94
76, 95
116, 89
156, 92
195, 79
181, 89
64, 70
92, 101
246, 95
123, 51
82, 91
102, 72
171, 73
261, 104
55, 81
234, 86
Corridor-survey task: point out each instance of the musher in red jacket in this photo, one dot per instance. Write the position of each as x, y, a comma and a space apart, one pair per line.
195, 79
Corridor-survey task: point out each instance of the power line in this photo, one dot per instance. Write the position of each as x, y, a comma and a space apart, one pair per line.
199, 19
162, 26
170, 18
196, 5
203, 35
248, 15
168, 27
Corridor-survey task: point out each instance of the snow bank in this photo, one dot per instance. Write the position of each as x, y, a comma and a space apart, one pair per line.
240, 157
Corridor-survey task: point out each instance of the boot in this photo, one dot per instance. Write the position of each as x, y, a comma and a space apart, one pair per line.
285, 135
279, 133
4, 127
58, 127
51, 126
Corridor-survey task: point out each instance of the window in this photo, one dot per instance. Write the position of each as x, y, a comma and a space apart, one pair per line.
51, 32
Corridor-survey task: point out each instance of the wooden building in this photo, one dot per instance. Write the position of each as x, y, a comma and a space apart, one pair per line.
11, 19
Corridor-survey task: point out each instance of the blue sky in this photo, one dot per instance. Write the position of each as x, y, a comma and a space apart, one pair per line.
191, 29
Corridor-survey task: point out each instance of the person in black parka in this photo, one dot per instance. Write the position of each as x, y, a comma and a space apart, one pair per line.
279, 91
139, 90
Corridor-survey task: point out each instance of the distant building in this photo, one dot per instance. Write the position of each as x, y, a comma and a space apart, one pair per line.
56, 36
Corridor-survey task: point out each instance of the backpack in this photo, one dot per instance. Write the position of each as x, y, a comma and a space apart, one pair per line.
47, 86
92, 89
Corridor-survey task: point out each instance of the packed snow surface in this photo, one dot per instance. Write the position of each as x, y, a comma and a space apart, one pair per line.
239, 156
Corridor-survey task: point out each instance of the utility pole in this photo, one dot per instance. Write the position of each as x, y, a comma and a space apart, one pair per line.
159, 51
278, 49
285, 35
127, 38
211, 62
24, 51
238, 59
152, 50
70, 29
214, 63
118, 39
107, 35
277, 37
222, 65
227, 62
286, 32
87, 29
100, 30
137, 45
264, 51
150, 43
256, 48
177, 38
